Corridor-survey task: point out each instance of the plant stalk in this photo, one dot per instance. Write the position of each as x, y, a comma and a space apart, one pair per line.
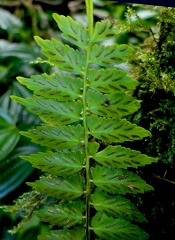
89, 11
90, 17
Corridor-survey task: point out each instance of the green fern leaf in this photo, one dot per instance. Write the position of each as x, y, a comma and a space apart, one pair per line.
103, 30
118, 180
116, 228
58, 163
107, 56
68, 214
93, 147
52, 111
54, 137
76, 233
121, 157
73, 31
116, 206
111, 105
60, 188
62, 56
110, 80
60, 87
115, 130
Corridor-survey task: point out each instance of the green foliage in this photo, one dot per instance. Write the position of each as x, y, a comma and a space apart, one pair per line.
14, 170
155, 57
153, 67
116, 205
115, 228
24, 207
14, 54
118, 156
8, 132
83, 112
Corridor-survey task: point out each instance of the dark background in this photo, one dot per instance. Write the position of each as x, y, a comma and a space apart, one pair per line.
168, 3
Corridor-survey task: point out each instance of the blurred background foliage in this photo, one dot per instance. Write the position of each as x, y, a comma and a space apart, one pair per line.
150, 30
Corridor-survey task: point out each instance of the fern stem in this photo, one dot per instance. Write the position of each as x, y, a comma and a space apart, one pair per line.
90, 19
86, 137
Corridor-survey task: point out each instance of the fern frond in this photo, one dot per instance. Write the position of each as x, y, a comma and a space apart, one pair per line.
80, 109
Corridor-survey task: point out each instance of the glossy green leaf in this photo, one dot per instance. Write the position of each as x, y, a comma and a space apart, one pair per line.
110, 80
73, 31
110, 55
68, 188
20, 51
115, 130
5, 119
111, 105
65, 234
52, 111
121, 157
116, 206
9, 134
10, 106
9, 21
58, 87
66, 214
13, 170
58, 163
4, 71
116, 228
62, 56
58, 137
118, 181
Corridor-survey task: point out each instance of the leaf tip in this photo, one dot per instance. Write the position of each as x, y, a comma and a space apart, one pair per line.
20, 79
18, 99
55, 16
38, 40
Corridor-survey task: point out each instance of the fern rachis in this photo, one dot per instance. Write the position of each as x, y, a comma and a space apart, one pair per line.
83, 112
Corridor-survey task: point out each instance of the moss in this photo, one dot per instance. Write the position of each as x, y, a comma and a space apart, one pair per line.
154, 63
